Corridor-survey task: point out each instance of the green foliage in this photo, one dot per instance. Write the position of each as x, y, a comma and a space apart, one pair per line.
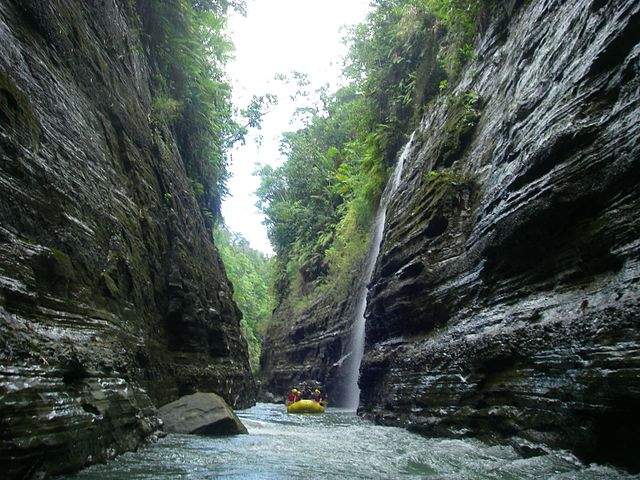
258, 107
386, 54
460, 18
250, 272
189, 51
322, 199
447, 184
197, 188
463, 115
447, 176
319, 205
165, 109
469, 103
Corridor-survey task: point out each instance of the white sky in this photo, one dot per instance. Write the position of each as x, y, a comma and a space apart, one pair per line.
278, 36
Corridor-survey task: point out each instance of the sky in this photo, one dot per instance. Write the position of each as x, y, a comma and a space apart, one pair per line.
278, 37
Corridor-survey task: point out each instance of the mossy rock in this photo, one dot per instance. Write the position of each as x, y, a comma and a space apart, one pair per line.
16, 112
62, 265
52, 265
463, 116
109, 285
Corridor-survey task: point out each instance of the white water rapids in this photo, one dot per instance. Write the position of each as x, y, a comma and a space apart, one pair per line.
358, 333
336, 445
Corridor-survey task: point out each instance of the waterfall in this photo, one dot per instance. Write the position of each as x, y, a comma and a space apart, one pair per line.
358, 332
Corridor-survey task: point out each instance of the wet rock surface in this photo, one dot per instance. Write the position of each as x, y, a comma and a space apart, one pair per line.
112, 295
505, 300
313, 344
200, 413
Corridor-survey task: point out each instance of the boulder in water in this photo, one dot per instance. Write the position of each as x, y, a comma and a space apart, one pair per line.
201, 413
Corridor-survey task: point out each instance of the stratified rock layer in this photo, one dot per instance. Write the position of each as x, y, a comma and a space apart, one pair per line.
112, 295
505, 300
313, 344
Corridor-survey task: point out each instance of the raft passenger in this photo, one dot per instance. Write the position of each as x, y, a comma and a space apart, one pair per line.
293, 397
306, 393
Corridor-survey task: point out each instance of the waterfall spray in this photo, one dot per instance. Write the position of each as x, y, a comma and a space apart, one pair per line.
358, 332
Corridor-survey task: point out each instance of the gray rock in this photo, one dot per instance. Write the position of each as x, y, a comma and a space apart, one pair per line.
528, 449
201, 413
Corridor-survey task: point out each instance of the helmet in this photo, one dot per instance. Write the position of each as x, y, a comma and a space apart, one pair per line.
317, 391
295, 390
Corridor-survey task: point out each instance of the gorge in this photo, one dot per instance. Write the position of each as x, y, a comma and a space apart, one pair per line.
456, 232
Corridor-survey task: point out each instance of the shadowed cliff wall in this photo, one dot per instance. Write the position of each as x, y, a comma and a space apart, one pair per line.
112, 295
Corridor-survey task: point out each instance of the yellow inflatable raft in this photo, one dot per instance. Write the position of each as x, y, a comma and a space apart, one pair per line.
305, 406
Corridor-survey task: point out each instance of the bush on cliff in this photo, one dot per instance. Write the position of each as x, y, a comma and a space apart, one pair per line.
191, 92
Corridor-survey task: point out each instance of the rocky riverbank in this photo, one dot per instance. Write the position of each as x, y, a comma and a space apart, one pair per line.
112, 295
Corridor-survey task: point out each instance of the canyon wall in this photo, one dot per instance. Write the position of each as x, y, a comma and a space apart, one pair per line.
505, 300
311, 344
112, 296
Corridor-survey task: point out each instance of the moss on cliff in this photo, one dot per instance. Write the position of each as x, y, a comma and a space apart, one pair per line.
463, 114
110, 282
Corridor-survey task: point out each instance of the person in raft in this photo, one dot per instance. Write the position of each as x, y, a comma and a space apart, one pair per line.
320, 397
293, 397
317, 396
306, 393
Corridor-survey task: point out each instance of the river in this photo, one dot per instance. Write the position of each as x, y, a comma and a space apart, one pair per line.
335, 445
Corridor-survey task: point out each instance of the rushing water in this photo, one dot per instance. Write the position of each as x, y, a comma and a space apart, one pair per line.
352, 395
335, 445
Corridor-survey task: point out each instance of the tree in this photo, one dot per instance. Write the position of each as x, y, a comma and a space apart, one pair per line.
250, 272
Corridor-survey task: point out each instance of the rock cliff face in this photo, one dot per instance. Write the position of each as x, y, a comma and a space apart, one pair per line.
112, 295
505, 299
312, 345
